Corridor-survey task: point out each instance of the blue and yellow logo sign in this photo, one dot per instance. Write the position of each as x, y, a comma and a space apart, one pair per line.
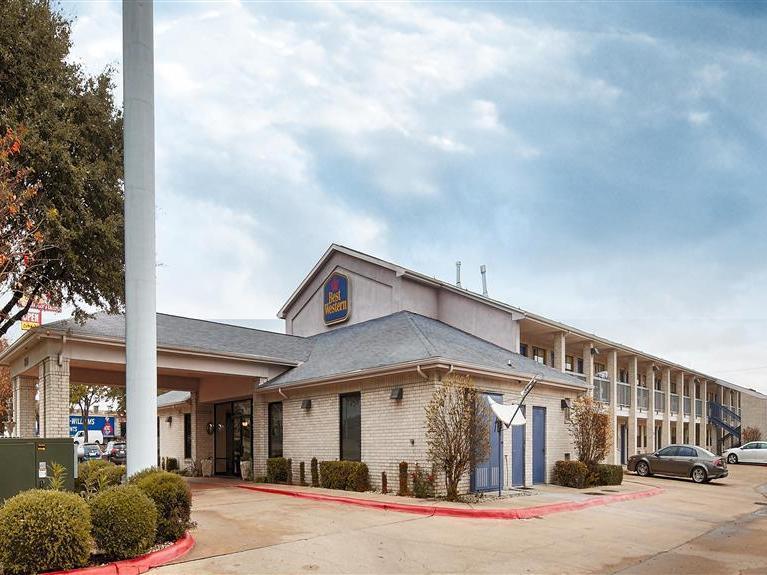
335, 299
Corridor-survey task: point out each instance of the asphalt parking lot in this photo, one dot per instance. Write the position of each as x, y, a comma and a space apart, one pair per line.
715, 528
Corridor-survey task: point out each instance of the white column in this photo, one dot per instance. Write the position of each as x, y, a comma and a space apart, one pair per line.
588, 365
612, 374
559, 351
140, 291
633, 382
650, 377
693, 415
666, 432
680, 415
704, 414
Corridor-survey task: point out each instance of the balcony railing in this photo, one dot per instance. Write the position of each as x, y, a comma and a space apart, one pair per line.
624, 395
698, 407
601, 390
674, 403
686, 405
643, 398
660, 401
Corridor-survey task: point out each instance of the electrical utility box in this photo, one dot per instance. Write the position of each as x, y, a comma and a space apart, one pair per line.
26, 463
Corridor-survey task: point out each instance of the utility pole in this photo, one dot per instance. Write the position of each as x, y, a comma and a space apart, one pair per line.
140, 305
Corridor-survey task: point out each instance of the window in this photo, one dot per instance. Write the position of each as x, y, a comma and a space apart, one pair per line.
187, 436
569, 362
275, 429
523, 349
351, 428
686, 452
539, 355
579, 365
599, 367
624, 376
668, 451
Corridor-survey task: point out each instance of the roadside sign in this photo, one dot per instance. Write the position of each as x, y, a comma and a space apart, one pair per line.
32, 319
40, 303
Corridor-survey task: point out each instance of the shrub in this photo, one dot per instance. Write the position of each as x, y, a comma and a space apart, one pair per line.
570, 474
347, 475
609, 474
86, 472
423, 483
302, 473
173, 500
171, 464
384, 483
403, 490
277, 470
124, 522
138, 476
109, 476
315, 473
43, 530
290, 472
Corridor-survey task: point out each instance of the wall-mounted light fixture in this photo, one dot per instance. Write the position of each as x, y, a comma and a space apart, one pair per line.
396, 393
566, 403
169, 419
594, 351
306, 404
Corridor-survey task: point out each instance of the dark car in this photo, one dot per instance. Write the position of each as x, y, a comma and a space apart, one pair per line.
680, 461
116, 452
91, 451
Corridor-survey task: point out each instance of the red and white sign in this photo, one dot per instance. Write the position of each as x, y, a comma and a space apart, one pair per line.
32, 319
40, 303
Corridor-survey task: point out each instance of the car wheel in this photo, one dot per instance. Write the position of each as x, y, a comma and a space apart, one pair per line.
643, 469
699, 475
732, 458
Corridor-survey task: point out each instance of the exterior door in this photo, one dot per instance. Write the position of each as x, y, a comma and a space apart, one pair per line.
487, 475
539, 444
233, 441
623, 444
518, 453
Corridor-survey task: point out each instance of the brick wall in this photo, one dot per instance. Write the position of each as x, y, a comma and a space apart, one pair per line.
172, 433
54, 397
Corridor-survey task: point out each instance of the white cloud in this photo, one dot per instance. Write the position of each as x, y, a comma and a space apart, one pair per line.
698, 118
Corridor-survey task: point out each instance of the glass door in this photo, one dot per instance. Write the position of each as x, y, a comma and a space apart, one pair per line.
233, 435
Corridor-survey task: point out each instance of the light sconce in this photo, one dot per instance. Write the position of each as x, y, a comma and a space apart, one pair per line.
306, 404
566, 403
169, 419
396, 393
594, 351
245, 422
210, 428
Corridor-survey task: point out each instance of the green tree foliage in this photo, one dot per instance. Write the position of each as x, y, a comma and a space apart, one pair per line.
73, 147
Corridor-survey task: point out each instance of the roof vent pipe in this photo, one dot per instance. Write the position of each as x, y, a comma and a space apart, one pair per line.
458, 273
483, 271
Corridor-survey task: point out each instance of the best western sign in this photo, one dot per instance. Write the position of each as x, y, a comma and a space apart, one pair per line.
335, 299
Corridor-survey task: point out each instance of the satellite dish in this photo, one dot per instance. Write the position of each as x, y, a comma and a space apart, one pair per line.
505, 413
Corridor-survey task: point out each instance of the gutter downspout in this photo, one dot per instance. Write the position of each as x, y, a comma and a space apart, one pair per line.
421, 373
282, 394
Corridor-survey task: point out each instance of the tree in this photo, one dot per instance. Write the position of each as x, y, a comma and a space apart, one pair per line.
72, 147
85, 397
751, 433
457, 430
589, 427
6, 391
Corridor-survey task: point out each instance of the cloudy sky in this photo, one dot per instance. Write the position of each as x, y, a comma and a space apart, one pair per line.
607, 162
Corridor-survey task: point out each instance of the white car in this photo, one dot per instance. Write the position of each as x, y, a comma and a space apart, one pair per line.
94, 436
751, 452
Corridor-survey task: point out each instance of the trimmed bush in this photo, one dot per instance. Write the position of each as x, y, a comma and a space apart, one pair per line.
403, 490
315, 473
124, 522
384, 483
609, 474
110, 476
423, 483
570, 474
277, 470
347, 475
43, 530
171, 464
136, 477
173, 500
302, 474
290, 472
87, 470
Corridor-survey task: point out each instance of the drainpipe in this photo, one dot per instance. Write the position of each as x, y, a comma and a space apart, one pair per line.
421, 373
282, 394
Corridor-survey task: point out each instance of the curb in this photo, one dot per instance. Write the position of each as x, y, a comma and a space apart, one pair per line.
522, 513
137, 565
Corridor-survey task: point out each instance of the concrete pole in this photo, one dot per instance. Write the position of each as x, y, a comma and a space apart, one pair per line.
140, 312
666, 433
632, 422
613, 455
650, 426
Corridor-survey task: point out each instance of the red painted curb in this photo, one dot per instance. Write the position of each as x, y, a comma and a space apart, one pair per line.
137, 565
522, 513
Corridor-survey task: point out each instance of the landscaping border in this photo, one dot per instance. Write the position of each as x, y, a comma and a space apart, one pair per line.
432, 510
137, 565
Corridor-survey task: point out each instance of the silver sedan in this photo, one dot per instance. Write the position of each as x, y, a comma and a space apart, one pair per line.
680, 461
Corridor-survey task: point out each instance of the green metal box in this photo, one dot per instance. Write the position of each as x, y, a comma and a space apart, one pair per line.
26, 463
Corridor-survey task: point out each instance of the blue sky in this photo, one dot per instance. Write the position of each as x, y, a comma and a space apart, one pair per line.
607, 162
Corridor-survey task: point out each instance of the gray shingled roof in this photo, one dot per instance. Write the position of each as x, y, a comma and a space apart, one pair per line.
196, 334
405, 337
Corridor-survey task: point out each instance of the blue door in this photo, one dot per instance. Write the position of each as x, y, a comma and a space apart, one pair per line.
487, 475
539, 444
623, 444
518, 453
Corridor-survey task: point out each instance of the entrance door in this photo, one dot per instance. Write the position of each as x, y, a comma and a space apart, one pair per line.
518, 453
487, 475
234, 435
623, 444
539, 444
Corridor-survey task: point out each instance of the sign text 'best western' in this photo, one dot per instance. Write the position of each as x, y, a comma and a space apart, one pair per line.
335, 298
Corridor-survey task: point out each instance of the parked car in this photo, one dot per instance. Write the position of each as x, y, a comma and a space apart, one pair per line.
80, 451
91, 451
116, 452
751, 452
94, 436
680, 461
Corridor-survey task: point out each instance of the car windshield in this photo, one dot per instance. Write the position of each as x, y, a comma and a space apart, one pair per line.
119, 446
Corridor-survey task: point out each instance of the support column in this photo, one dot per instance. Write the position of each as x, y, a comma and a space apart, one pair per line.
588, 365
704, 414
633, 382
650, 381
559, 351
23, 406
53, 386
693, 414
613, 456
666, 385
680, 415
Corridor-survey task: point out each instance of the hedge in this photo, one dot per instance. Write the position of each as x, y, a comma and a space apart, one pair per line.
173, 500
43, 530
347, 475
124, 522
87, 471
315, 473
277, 470
570, 474
609, 474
